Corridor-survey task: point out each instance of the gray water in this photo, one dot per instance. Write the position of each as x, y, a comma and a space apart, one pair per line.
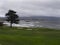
45, 24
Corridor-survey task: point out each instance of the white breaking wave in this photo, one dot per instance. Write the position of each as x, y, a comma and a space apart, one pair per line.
35, 24
22, 24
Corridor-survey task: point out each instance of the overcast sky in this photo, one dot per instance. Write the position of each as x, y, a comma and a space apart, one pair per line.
31, 7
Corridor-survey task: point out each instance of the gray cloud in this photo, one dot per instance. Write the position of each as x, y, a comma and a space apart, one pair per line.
32, 7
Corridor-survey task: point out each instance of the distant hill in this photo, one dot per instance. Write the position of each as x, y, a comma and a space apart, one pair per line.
2, 19
41, 18
37, 18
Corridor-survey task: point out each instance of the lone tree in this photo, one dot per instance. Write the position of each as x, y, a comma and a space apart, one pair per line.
12, 17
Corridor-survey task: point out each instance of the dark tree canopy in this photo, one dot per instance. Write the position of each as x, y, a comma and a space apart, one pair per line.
12, 17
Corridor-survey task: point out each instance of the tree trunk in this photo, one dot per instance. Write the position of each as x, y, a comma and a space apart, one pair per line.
10, 25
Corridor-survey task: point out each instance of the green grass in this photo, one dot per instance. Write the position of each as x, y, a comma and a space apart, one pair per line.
24, 36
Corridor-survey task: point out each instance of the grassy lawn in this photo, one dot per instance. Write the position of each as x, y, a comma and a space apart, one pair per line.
29, 36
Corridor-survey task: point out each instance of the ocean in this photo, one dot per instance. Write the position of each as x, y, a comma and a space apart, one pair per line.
45, 24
